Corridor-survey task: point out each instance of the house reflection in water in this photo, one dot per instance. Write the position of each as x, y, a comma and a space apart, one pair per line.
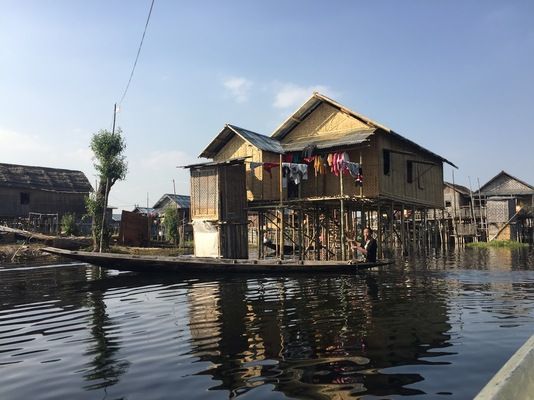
316, 337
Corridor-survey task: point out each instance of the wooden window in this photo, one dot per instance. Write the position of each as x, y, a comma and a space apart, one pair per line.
409, 171
447, 203
24, 198
386, 160
420, 177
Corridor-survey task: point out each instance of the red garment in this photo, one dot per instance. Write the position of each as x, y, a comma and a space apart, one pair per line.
335, 164
269, 165
287, 158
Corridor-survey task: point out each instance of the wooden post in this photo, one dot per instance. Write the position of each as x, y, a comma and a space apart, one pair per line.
391, 225
301, 242
316, 229
281, 224
379, 226
342, 217
414, 237
403, 229
260, 235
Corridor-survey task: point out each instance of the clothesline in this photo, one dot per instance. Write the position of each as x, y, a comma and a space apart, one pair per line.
338, 163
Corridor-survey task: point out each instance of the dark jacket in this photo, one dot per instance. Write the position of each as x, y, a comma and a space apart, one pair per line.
371, 250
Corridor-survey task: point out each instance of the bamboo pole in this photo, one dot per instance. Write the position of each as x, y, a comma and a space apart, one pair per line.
342, 217
281, 233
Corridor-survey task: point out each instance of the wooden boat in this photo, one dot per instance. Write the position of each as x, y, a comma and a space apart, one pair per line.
514, 380
128, 262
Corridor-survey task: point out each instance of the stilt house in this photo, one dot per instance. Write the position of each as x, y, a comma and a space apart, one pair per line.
510, 206
324, 167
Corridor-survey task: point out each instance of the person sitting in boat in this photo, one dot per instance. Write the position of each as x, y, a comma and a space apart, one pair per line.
368, 247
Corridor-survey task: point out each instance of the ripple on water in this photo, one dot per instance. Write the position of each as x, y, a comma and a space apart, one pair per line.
411, 329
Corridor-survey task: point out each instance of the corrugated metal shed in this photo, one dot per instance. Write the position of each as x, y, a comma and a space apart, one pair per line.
262, 142
43, 178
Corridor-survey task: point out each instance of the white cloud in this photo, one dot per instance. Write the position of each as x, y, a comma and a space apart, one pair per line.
29, 149
291, 95
238, 87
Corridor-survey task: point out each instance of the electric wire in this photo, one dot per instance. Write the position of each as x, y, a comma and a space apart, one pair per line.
138, 53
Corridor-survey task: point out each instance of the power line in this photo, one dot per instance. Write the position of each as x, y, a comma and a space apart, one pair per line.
138, 52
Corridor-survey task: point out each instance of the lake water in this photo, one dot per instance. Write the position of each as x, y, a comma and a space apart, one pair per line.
437, 326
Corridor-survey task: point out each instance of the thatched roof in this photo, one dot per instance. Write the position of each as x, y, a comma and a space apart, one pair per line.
42, 178
504, 184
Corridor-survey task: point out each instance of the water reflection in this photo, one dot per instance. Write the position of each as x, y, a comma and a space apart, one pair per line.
302, 334
408, 330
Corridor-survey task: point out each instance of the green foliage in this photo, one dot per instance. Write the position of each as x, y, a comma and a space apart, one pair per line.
108, 148
110, 163
68, 224
509, 244
171, 222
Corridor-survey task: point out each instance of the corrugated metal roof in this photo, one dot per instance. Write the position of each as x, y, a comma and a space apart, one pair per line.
262, 142
232, 161
182, 201
144, 210
43, 178
356, 137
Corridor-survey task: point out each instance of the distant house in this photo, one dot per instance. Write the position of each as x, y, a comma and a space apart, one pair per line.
28, 189
510, 204
145, 211
145, 224
181, 202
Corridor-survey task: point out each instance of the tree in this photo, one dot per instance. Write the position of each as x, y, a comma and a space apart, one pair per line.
171, 222
68, 224
111, 166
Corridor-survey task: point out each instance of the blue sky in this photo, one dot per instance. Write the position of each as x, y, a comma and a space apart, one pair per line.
456, 77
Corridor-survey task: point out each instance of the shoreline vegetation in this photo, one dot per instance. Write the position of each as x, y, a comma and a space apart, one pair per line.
506, 244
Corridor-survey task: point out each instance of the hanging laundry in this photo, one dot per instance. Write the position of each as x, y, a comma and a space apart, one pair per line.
335, 163
285, 174
296, 172
268, 166
330, 159
359, 178
352, 168
319, 165
253, 165
342, 159
309, 151
287, 158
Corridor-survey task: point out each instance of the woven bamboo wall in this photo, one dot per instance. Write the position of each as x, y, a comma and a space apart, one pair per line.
204, 194
427, 186
325, 121
237, 148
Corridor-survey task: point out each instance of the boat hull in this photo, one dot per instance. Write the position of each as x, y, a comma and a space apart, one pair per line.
183, 264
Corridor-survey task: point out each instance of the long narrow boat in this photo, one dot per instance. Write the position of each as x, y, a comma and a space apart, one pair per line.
128, 262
